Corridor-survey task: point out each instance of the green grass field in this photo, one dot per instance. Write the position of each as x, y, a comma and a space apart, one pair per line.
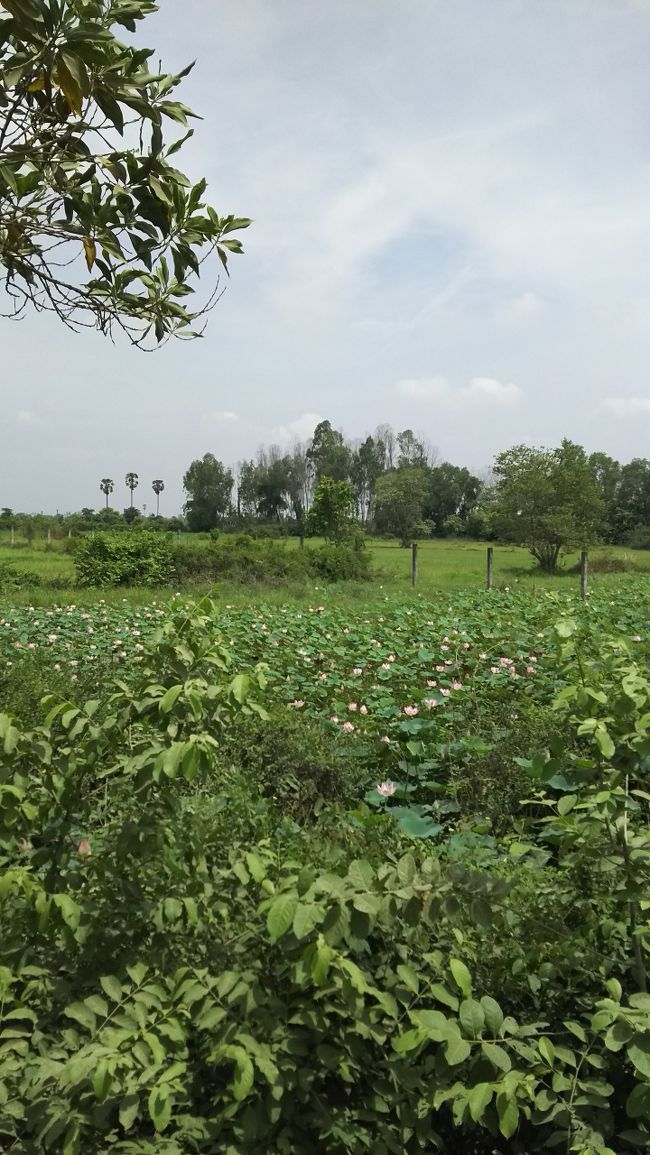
448, 564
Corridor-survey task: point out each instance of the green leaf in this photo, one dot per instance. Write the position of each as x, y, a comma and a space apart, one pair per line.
257, 867
437, 1026
497, 1056
442, 995
566, 803
604, 741
478, 1099
408, 977
461, 976
82, 1015
638, 1102
280, 915
307, 916
457, 1050
169, 699
472, 1018
493, 1014
361, 874
546, 1050
112, 987
129, 1107
321, 962
508, 1113
638, 1052
160, 1107
409, 1041
242, 1083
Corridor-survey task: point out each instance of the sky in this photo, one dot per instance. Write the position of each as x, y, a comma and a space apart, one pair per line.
451, 204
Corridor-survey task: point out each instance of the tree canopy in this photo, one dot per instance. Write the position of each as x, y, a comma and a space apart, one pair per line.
96, 223
208, 485
548, 500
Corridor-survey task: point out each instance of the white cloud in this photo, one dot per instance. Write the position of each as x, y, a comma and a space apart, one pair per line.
624, 407
437, 390
25, 417
299, 430
219, 417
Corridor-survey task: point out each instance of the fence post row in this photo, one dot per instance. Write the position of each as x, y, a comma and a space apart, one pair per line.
490, 561
414, 563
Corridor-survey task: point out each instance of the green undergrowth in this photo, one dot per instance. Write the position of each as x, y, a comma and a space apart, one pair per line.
314, 878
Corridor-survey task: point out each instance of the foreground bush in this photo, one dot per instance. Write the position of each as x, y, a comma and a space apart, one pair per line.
184, 968
124, 559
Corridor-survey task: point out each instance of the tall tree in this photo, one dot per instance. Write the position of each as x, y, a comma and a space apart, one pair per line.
331, 513
87, 179
412, 450
633, 497
208, 484
131, 482
158, 487
247, 489
547, 500
385, 437
400, 498
366, 466
607, 475
329, 454
453, 492
106, 485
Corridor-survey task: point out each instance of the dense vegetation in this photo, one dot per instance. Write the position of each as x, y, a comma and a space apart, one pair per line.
311, 878
390, 485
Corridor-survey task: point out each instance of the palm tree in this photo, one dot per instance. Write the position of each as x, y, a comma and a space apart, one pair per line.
131, 480
106, 486
157, 487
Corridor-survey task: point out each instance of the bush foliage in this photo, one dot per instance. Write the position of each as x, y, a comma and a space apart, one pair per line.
210, 946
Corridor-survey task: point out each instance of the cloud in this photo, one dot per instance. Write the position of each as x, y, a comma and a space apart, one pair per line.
438, 391
299, 430
623, 407
219, 417
25, 417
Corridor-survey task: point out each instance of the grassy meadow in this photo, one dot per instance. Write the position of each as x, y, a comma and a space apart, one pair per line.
447, 564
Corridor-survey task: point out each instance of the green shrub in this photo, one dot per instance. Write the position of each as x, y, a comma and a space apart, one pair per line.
335, 563
13, 579
295, 762
183, 969
639, 538
125, 559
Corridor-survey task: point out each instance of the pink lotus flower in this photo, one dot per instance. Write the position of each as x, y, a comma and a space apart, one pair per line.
385, 788
334, 718
363, 709
530, 669
430, 703
410, 711
84, 848
456, 685
298, 703
445, 693
635, 638
348, 727
352, 706
431, 683
385, 665
357, 670
384, 738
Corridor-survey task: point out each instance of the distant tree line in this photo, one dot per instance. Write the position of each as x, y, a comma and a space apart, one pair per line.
392, 483
397, 487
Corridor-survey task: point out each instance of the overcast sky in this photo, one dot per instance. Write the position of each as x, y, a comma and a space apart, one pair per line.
452, 233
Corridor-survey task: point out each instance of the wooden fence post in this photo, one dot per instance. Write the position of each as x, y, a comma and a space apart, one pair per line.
584, 568
490, 560
414, 563
302, 541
